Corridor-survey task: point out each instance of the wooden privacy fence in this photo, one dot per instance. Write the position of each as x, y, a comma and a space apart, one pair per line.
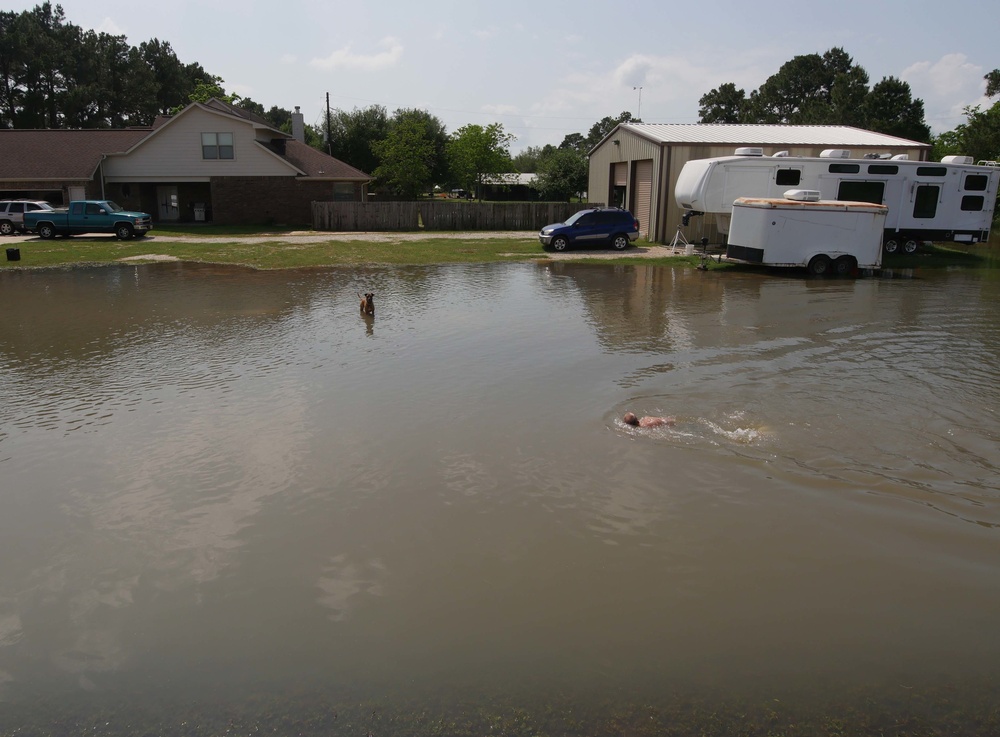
435, 215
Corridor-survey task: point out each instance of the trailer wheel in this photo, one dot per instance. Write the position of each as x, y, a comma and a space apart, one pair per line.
844, 266
891, 245
910, 245
819, 265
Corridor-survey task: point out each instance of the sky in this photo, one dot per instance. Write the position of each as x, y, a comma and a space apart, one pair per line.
545, 69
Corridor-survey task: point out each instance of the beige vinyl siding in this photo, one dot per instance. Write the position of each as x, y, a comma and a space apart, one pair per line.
174, 153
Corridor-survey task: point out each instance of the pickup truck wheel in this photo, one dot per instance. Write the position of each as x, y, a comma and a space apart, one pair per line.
124, 231
46, 231
6, 227
620, 242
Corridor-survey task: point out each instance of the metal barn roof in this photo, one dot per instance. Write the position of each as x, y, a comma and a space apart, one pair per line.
766, 135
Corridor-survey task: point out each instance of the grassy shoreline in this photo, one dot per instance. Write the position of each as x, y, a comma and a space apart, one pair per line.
259, 248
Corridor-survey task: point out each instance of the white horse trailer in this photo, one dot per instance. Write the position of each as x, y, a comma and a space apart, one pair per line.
948, 201
800, 229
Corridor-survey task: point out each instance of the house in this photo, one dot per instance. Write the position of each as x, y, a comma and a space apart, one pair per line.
636, 165
211, 161
510, 187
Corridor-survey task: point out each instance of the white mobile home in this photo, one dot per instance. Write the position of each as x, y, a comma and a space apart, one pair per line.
800, 229
948, 201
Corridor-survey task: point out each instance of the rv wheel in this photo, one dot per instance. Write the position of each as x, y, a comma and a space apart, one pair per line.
891, 245
844, 266
819, 265
910, 245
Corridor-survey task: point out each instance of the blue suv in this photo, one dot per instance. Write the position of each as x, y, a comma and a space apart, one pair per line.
603, 225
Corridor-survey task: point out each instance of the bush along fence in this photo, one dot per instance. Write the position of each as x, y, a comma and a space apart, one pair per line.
432, 215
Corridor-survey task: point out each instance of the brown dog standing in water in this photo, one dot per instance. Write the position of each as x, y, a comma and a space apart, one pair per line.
367, 303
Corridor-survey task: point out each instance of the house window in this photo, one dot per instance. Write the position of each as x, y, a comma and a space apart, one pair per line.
216, 145
343, 191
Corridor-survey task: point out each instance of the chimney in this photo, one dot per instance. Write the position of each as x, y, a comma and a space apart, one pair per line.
298, 126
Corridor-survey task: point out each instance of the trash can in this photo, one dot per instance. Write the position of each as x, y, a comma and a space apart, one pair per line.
199, 212
13, 254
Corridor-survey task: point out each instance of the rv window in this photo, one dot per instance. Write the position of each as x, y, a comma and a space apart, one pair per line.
861, 191
972, 202
844, 168
976, 182
787, 177
883, 169
931, 171
925, 204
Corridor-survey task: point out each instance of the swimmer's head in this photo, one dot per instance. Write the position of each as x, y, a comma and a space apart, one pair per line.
630, 419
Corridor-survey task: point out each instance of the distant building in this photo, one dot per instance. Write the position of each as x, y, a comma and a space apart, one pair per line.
636, 165
508, 187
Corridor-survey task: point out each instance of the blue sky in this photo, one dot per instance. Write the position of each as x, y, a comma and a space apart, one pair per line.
547, 69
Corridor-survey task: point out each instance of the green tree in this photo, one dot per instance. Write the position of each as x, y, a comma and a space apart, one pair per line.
575, 141
726, 104
407, 158
476, 152
352, 133
172, 82
562, 174
890, 108
604, 126
527, 160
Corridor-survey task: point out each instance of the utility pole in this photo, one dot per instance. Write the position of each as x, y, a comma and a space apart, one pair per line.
329, 128
638, 110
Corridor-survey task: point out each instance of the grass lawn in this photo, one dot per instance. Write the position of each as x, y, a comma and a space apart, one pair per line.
273, 248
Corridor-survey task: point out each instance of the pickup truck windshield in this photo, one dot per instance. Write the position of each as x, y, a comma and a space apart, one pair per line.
114, 207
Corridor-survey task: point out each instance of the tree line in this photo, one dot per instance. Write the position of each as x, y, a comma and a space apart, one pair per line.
54, 74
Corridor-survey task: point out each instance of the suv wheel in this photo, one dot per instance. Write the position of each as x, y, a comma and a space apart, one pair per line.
6, 227
559, 243
620, 242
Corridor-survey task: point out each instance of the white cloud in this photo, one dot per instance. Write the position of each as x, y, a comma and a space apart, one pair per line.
501, 109
111, 28
946, 86
345, 58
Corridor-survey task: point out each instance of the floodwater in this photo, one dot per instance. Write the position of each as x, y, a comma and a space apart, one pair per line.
218, 483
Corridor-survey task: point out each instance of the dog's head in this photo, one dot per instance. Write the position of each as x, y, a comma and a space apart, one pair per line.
369, 297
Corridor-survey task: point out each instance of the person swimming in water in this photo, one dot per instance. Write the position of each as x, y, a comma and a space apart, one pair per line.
631, 419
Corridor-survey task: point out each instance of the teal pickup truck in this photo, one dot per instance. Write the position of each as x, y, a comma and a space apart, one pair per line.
88, 216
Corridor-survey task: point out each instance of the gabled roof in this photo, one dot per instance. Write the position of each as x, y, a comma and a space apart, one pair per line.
32, 154
315, 163
763, 135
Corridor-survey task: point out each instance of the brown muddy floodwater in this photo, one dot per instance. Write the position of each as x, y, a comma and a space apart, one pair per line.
224, 486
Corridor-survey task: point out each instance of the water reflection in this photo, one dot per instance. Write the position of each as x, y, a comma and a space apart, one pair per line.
227, 478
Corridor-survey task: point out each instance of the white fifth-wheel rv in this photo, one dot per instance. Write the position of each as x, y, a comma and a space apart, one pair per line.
951, 200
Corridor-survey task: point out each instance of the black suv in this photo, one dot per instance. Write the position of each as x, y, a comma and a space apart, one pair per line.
602, 225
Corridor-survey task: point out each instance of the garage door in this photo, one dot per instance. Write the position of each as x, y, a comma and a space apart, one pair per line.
643, 193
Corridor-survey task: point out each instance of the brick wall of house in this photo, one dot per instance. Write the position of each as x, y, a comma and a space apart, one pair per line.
268, 200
